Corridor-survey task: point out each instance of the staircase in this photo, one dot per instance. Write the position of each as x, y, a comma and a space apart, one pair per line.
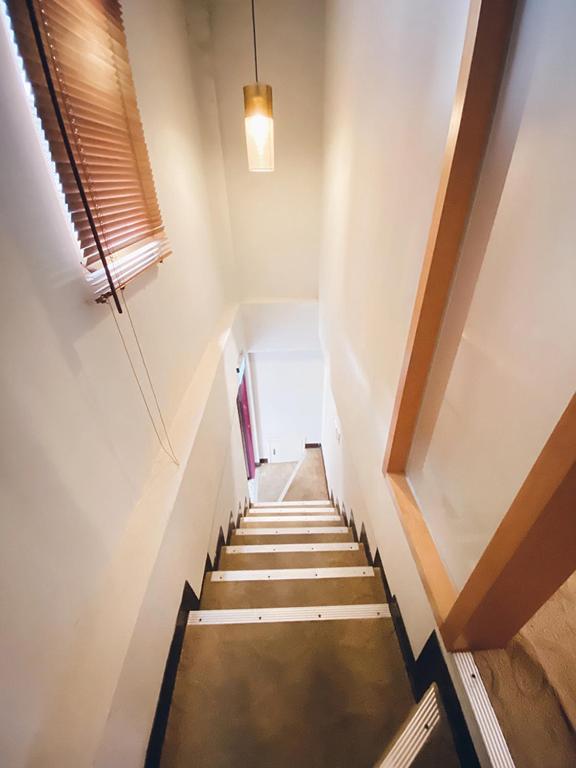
291, 659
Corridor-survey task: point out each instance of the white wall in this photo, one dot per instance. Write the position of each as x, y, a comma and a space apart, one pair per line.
286, 367
276, 217
288, 391
391, 73
505, 367
99, 530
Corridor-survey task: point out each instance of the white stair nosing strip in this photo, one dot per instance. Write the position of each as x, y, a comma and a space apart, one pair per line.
411, 738
320, 530
419, 734
496, 745
415, 733
291, 519
321, 503
308, 511
283, 615
293, 574
265, 549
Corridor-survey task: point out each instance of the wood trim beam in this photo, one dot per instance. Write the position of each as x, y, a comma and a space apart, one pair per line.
437, 583
531, 554
481, 68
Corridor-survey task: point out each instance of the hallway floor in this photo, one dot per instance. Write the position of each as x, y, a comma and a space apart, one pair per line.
288, 686
302, 480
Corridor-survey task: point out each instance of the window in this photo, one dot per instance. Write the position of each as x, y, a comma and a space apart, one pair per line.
76, 59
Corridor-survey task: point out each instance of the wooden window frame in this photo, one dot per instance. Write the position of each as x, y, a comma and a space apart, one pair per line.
535, 544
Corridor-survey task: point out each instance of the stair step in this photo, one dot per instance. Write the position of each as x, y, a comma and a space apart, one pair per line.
279, 574
320, 503
281, 531
290, 511
259, 549
257, 556
252, 524
282, 593
329, 693
289, 537
290, 519
301, 613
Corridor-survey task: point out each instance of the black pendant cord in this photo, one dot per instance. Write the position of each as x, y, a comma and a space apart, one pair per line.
254, 38
68, 146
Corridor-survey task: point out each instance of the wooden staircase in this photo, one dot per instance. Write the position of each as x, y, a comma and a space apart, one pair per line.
291, 659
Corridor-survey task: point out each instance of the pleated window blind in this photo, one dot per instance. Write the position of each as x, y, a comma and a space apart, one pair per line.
76, 59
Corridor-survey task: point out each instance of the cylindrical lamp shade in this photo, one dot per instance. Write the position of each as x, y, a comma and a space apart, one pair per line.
259, 125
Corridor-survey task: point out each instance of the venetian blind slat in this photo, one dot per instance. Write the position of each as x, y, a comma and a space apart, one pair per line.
85, 45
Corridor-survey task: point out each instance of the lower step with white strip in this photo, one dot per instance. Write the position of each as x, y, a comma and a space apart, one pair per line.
278, 615
290, 519
335, 529
288, 504
293, 574
291, 511
265, 549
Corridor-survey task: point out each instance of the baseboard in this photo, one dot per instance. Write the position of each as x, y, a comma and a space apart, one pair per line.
363, 539
231, 528
189, 602
220, 543
352, 525
312, 445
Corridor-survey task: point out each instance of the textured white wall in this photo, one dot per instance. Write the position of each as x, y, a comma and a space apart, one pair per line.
505, 367
276, 217
391, 73
91, 513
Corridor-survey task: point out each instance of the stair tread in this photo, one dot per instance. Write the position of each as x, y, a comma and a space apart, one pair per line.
289, 614
289, 519
297, 592
295, 521
291, 538
266, 694
284, 529
291, 574
253, 561
287, 504
287, 511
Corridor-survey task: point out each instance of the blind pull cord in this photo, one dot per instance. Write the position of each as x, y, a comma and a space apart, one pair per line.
125, 302
169, 452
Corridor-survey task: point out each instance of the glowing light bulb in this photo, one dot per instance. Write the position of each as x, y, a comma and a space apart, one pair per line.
259, 126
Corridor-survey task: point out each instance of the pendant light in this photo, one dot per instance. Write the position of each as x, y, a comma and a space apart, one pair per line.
258, 119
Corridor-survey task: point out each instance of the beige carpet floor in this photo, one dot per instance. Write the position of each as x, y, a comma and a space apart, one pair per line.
272, 479
532, 685
309, 484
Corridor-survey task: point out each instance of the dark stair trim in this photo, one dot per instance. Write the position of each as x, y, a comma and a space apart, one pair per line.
189, 602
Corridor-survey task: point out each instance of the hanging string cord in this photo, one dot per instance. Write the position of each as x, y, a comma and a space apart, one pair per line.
122, 293
169, 453
254, 38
